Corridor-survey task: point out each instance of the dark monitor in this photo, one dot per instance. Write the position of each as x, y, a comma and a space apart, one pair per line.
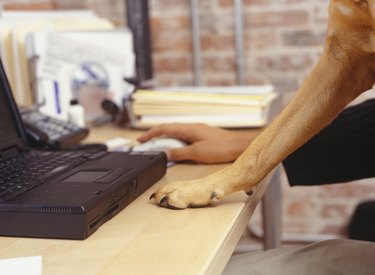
11, 131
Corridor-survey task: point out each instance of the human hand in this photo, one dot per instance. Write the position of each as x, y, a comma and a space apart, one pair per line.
206, 144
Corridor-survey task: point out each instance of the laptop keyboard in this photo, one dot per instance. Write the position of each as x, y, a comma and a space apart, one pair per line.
29, 169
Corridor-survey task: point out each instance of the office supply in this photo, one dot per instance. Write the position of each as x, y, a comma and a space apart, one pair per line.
159, 144
76, 113
231, 107
16, 26
21, 266
63, 194
86, 65
44, 132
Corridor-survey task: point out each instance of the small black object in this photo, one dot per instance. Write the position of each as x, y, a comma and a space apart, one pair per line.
74, 102
133, 81
119, 116
45, 132
362, 224
110, 108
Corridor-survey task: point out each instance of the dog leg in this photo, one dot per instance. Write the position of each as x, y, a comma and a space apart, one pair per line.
345, 69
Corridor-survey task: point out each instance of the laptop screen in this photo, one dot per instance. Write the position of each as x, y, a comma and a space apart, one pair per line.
9, 129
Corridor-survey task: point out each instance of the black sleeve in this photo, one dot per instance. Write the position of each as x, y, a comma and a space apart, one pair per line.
341, 152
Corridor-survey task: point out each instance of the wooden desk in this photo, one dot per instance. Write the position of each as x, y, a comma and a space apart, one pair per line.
147, 239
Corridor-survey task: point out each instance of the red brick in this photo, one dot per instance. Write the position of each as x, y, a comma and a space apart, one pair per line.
261, 39
256, 79
277, 19
217, 42
348, 190
335, 211
292, 62
170, 24
300, 208
218, 64
164, 43
227, 80
171, 35
171, 65
168, 6
303, 38
225, 3
179, 79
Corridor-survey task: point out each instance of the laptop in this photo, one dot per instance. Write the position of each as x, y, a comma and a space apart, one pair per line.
64, 194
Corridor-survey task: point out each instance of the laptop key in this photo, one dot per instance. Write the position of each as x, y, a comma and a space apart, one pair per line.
12, 191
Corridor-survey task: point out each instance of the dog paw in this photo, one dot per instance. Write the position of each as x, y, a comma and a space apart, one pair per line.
201, 192
187, 194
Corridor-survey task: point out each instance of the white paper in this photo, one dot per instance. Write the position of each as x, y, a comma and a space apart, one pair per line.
21, 266
62, 49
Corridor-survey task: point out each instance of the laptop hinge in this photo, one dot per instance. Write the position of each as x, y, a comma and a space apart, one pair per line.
9, 152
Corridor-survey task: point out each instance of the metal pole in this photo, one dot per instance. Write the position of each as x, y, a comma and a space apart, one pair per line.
196, 43
271, 210
239, 23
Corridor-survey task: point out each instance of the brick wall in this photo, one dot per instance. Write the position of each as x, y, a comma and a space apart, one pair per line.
320, 210
283, 39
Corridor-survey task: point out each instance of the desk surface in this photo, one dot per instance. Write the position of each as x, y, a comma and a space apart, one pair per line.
147, 239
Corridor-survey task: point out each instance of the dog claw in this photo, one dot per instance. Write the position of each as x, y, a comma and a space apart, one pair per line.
214, 196
164, 203
249, 193
152, 196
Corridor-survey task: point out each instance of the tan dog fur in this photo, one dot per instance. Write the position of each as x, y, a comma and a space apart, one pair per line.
345, 69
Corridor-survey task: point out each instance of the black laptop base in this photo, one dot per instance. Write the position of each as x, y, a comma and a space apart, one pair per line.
55, 211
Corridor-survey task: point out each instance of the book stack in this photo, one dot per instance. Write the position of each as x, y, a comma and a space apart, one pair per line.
228, 107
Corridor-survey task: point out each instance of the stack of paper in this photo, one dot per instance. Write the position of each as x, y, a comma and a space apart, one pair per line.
230, 107
14, 28
73, 59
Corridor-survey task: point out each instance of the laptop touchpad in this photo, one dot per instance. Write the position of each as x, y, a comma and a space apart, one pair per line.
86, 176
99, 176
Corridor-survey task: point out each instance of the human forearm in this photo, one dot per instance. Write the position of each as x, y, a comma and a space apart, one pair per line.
206, 144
